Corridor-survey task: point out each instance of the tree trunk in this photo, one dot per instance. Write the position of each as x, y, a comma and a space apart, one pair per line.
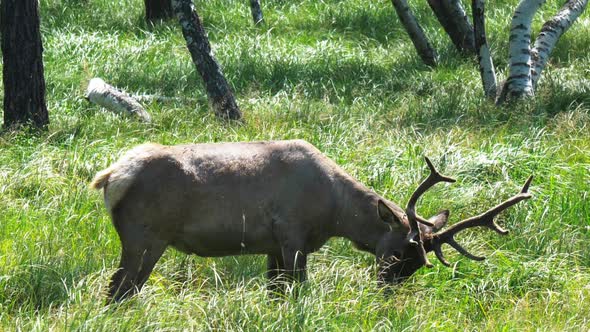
22, 52
551, 32
158, 10
464, 31
417, 35
519, 81
443, 18
454, 20
220, 95
484, 57
256, 12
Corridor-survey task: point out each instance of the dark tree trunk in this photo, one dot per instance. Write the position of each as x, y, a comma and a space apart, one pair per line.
220, 94
441, 14
24, 83
158, 10
453, 19
256, 12
462, 32
414, 30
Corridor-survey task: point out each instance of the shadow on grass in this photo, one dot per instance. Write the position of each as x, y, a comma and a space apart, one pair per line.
344, 78
229, 271
381, 23
37, 286
340, 80
49, 283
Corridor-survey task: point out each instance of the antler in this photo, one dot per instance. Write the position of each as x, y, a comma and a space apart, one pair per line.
485, 220
413, 219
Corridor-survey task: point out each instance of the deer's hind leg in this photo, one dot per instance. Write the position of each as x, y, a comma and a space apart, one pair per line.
140, 251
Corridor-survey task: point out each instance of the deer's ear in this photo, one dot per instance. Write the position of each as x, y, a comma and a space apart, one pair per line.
387, 215
439, 221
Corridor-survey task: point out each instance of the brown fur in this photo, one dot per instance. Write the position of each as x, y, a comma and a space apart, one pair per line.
284, 199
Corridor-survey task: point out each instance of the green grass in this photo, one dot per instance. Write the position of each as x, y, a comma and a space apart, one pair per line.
344, 76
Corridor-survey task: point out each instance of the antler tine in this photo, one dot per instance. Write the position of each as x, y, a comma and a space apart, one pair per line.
488, 217
435, 173
485, 219
437, 248
439, 254
526, 186
433, 178
463, 251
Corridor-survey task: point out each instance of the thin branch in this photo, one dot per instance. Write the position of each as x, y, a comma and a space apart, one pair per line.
115, 100
484, 57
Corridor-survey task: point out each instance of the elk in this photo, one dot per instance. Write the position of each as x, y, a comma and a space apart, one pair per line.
284, 199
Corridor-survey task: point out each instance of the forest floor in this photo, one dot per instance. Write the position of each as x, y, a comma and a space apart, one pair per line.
343, 75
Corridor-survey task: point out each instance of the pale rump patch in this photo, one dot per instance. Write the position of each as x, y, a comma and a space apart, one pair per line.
101, 179
117, 178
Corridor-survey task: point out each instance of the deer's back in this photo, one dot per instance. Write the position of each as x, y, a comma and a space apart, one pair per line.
229, 198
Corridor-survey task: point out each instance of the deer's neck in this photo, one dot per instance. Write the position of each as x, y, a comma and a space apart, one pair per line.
358, 219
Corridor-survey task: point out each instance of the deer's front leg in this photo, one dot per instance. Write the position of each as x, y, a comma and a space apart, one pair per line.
275, 267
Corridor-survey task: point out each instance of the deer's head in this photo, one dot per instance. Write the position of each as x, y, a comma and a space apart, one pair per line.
402, 251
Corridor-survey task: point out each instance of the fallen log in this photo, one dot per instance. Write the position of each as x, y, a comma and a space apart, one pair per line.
115, 100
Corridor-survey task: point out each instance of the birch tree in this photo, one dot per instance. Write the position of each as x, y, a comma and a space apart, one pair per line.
550, 33
484, 56
22, 52
452, 17
525, 62
221, 97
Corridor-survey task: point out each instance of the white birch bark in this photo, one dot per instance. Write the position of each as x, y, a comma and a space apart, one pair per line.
114, 99
484, 57
551, 32
519, 81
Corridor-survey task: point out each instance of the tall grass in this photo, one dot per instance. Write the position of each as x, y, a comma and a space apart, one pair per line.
344, 76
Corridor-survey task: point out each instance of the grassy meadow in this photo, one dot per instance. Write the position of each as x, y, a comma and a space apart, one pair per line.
343, 75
